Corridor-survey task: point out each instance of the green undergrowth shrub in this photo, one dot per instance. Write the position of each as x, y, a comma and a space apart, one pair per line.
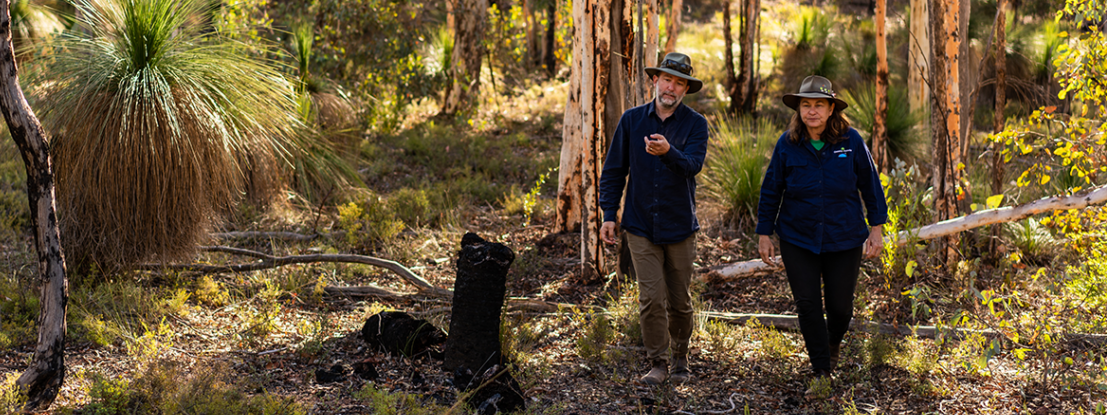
11, 397
164, 388
19, 309
382, 402
740, 152
904, 140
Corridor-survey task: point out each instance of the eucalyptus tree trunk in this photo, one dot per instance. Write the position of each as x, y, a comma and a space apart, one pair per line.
880, 130
549, 46
464, 87
533, 57
968, 81
743, 90
918, 58
673, 29
730, 81
604, 83
946, 120
43, 379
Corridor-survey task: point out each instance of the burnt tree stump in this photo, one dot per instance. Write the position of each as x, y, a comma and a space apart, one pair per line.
473, 345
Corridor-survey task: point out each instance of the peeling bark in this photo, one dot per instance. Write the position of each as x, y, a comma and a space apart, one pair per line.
43, 379
918, 61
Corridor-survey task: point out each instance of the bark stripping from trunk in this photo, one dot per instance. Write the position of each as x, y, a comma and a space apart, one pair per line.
880, 131
464, 88
43, 379
1091, 197
946, 119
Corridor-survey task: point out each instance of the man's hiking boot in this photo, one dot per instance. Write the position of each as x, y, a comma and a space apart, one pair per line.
680, 372
658, 373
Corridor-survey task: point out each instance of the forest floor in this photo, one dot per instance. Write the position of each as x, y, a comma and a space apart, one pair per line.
566, 362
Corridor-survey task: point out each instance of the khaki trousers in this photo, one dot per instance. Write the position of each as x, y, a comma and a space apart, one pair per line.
664, 301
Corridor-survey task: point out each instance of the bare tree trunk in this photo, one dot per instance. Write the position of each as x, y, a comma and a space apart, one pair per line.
43, 379
468, 52
645, 51
730, 81
918, 91
673, 30
880, 131
533, 57
1001, 106
945, 119
968, 80
743, 89
549, 46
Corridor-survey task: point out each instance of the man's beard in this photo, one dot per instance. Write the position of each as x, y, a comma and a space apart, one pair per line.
672, 102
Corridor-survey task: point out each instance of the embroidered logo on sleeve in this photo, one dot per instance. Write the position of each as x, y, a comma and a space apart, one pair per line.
843, 152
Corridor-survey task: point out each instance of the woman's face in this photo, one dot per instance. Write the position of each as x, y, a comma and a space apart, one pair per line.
814, 112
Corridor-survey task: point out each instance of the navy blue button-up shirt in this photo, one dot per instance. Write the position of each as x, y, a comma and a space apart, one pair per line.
812, 199
661, 190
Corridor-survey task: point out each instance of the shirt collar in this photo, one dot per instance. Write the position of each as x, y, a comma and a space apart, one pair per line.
652, 111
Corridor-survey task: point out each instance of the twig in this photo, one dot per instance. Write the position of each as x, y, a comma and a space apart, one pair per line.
732, 407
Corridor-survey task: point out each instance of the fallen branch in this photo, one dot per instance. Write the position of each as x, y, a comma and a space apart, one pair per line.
283, 236
1090, 197
791, 323
269, 262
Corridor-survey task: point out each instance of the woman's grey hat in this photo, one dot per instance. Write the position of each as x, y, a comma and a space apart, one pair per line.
814, 86
678, 65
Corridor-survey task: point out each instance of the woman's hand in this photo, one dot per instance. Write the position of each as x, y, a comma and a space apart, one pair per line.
766, 249
875, 244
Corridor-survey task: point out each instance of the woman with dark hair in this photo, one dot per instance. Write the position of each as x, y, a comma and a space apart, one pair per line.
820, 174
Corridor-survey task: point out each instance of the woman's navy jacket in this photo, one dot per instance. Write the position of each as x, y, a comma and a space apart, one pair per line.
812, 199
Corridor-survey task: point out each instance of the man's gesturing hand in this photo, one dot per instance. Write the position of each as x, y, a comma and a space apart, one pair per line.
607, 232
656, 144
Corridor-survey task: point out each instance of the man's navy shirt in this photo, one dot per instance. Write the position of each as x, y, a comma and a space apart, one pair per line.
812, 199
661, 192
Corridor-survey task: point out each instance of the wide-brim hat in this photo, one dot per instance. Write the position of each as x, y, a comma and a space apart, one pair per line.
814, 86
678, 65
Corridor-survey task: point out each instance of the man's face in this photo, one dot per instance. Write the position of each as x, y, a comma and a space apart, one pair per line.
670, 89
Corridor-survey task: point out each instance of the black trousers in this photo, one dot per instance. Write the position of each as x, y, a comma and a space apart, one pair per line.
829, 277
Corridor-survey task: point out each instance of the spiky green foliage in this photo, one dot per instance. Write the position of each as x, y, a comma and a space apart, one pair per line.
904, 142
740, 150
153, 124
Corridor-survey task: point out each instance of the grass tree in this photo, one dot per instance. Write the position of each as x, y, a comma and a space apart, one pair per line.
155, 122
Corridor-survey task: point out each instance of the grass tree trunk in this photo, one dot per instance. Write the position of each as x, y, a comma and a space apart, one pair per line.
43, 379
918, 92
1001, 106
549, 46
880, 130
464, 88
946, 119
586, 131
673, 29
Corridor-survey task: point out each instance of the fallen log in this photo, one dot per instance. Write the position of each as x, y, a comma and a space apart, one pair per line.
1090, 197
270, 261
791, 323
